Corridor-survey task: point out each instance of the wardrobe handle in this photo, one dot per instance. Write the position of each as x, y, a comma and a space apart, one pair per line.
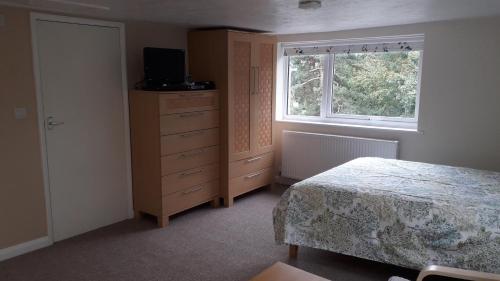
252, 81
254, 159
256, 81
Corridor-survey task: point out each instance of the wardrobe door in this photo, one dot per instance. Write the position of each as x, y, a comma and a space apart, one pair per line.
241, 83
262, 110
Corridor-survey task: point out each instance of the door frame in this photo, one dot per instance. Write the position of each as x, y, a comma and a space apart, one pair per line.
41, 115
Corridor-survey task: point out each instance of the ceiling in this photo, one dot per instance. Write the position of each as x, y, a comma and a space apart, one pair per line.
276, 16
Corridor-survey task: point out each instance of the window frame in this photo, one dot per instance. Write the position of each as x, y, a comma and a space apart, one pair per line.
326, 113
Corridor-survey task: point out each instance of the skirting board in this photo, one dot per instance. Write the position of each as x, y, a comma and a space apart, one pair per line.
24, 248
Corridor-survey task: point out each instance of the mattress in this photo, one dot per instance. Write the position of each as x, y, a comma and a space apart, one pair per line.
403, 213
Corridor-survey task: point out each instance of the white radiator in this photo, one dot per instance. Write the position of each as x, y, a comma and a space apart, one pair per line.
306, 154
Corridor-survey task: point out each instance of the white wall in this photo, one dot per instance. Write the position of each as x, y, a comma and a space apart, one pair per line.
459, 99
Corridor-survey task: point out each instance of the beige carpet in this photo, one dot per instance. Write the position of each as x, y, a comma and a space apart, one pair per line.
202, 244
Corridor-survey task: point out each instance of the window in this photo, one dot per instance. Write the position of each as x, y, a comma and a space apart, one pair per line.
305, 89
363, 82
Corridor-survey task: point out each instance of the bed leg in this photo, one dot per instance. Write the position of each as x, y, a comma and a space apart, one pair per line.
293, 251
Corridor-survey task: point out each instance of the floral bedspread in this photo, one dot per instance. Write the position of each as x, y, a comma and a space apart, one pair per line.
404, 213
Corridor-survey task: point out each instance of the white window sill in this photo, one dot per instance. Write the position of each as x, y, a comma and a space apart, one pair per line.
378, 127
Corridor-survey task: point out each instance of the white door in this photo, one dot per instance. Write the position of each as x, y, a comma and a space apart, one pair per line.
81, 85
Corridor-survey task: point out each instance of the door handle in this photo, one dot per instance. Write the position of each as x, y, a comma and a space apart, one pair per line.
51, 123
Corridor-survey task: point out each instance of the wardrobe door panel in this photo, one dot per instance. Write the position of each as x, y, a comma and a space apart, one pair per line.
263, 135
239, 98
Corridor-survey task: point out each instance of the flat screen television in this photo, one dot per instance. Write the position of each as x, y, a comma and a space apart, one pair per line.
164, 66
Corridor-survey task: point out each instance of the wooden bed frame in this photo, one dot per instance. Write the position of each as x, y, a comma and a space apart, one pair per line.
293, 251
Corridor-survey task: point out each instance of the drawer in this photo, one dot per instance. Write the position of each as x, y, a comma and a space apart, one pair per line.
245, 183
190, 159
187, 141
190, 197
188, 102
182, 180
189, 121
249, 165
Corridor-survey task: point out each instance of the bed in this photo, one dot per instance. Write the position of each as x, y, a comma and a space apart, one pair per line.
398, 212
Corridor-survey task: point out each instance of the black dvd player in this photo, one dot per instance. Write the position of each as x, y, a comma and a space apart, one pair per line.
194, 86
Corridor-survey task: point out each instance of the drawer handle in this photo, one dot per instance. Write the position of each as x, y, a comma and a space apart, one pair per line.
192, 190
192, 95
191, 154
253, 175
254, 159
191, 114
190, 173
187, 135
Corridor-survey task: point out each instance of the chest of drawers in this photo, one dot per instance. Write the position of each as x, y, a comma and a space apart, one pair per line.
175, 151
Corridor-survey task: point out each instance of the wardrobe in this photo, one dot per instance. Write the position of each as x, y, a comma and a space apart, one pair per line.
242, 65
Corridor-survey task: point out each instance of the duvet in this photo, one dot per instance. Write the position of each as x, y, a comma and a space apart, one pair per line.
403, 213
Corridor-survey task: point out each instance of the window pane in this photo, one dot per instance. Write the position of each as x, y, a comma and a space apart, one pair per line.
376, 84
305, 88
